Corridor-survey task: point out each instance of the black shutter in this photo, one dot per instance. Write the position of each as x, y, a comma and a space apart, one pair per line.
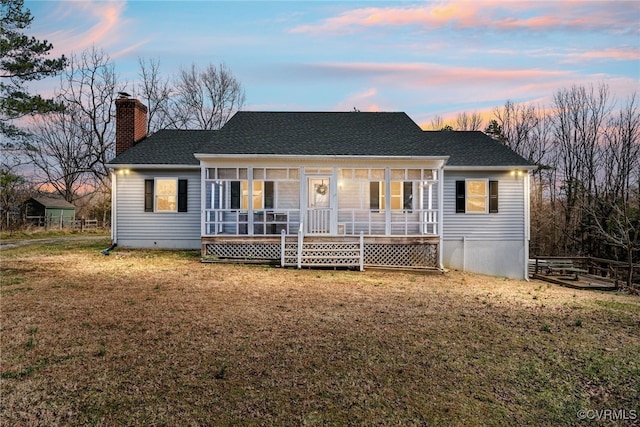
235, 194
460, 196
148, 195
269, 195
374, 195
407, 195
493, 196
182, 195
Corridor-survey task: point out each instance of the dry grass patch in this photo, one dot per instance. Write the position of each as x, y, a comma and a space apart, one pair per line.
157, 338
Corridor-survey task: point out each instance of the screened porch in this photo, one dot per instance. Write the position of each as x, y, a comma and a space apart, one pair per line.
336, 201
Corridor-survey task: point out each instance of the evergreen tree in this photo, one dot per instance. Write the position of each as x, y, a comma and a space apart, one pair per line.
22, 59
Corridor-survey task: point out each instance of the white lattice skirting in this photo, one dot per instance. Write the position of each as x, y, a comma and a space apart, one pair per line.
339, 253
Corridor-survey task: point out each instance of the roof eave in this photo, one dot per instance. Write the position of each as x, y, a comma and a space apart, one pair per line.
490, 168
207, 156
151, 166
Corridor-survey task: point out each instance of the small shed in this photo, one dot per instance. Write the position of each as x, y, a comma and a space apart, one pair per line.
50, 211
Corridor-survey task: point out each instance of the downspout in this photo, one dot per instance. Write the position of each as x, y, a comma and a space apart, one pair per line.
441, 215
464, 253
527, 222
114, 208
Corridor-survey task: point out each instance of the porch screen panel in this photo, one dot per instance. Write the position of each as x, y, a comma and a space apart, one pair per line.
235, 195
374, 195
287, 195
269, 195
407, 195
351, 195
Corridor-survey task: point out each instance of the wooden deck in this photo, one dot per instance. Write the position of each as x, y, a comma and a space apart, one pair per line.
580, 272
582, 282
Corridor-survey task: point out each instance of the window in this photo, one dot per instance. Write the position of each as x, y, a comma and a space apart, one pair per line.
476, 196
401, 195
263, 195
165, 195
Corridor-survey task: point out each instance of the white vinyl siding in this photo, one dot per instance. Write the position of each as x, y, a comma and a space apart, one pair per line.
488, 244
137, 228
507, 224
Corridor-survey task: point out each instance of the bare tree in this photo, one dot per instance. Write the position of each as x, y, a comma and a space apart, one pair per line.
466, 121
616, 213
14, 189
620, 228
89, 87
157, 92
518, 123
59, 150
622, 150
205, 99
579, 114
437, 122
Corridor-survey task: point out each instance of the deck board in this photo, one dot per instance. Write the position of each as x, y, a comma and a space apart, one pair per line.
583, 282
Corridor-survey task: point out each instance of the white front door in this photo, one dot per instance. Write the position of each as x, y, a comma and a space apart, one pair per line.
319, 205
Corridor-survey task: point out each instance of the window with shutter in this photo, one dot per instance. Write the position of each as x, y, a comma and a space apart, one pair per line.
493, 196
182, 195
460, 196
148, 195
476, 196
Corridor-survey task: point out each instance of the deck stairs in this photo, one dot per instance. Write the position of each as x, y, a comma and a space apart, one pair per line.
308, 251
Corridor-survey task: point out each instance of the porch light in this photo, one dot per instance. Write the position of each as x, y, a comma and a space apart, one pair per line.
516, 172
123, 171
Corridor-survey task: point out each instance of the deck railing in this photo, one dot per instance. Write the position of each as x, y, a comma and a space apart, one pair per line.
414, 222
606, 269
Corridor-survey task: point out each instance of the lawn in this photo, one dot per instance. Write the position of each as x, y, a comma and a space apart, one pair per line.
157, 338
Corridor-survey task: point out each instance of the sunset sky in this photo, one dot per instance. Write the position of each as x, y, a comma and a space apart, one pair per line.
424, 58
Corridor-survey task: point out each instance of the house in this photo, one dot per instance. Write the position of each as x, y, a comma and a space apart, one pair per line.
49, 211
322, 189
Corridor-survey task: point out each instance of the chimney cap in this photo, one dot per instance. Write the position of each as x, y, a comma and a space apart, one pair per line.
123, 95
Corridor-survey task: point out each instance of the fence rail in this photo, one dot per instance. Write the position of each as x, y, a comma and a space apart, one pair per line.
62, 222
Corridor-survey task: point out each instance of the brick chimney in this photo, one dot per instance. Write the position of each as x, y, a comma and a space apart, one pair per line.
131, 122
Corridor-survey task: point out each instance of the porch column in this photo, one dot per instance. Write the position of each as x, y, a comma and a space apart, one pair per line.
203, 200
304, 197
249, 201
333, 202
387, 201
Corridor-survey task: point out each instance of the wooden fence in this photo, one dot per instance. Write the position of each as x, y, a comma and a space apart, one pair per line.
62, 222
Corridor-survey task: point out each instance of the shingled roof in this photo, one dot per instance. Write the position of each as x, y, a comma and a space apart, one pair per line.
320, 134
52, 202
472, 148
313, 133
166, 147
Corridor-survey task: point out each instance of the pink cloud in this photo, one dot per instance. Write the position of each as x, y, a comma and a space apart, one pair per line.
615, 54
366, 100
496, 15
99, 23
432, 74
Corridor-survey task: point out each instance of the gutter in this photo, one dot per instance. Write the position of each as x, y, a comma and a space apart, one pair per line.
116, 166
